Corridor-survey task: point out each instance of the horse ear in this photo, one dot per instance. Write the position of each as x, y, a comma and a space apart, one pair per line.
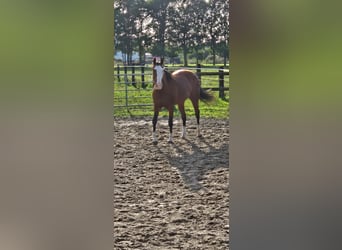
162, 61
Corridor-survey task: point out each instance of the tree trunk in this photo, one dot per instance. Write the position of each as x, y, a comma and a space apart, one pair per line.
141, 47
196, 52
213, 42
161, 34
185, 55
214, 57
225, 60
225, 55
141, 54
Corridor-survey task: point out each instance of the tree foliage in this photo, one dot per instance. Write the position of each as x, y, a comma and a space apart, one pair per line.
164, 27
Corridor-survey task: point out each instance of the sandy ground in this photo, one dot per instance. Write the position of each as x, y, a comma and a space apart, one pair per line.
171, 196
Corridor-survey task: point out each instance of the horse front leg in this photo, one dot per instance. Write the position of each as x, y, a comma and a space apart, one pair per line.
154, 123
170, 123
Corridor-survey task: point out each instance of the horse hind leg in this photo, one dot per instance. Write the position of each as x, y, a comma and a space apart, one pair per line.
182, 111
170, 123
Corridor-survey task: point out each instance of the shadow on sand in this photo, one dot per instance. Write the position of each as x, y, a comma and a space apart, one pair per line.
193, 164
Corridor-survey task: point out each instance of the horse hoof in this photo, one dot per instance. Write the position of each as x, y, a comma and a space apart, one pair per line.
155, 142
170, 142
199, 136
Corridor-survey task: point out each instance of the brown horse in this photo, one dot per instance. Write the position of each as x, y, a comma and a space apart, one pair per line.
170, 89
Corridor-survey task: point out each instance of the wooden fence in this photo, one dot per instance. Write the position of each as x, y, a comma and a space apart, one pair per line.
221, 73
140, 71
133, 85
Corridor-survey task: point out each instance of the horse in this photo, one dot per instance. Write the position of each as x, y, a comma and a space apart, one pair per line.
171, 89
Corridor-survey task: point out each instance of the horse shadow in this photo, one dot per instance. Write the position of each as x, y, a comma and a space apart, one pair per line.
202, 158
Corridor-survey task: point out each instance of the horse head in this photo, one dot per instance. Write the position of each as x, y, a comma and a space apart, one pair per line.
158, 72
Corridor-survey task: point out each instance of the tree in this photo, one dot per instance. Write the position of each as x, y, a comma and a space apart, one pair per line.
183, 26
129, 27
165, 27
200, 7
142, 22
159, 14
216, 17
225, 27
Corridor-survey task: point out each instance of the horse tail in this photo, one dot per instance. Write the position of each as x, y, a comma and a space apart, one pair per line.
205, 96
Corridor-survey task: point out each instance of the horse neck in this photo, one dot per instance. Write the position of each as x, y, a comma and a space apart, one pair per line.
167, 83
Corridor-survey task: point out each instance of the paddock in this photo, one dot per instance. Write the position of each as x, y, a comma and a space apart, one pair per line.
133, 89
171, 196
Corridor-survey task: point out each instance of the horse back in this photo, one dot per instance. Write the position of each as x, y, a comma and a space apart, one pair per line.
188, 83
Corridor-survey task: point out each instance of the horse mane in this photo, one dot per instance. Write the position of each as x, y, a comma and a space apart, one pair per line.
168, 75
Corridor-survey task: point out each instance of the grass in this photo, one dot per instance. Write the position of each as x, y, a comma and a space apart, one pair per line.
140, 102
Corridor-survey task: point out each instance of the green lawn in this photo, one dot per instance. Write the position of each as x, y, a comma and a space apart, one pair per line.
140, 99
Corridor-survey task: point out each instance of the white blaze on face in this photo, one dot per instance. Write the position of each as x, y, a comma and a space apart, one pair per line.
160, 72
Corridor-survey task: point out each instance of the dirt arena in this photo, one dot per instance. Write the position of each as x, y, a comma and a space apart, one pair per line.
171, 196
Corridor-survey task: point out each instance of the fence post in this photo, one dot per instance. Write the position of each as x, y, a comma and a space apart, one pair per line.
126, 95
143, 76
118, 71
221, 82
126, 83
133, 77
125, 74
198, 72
